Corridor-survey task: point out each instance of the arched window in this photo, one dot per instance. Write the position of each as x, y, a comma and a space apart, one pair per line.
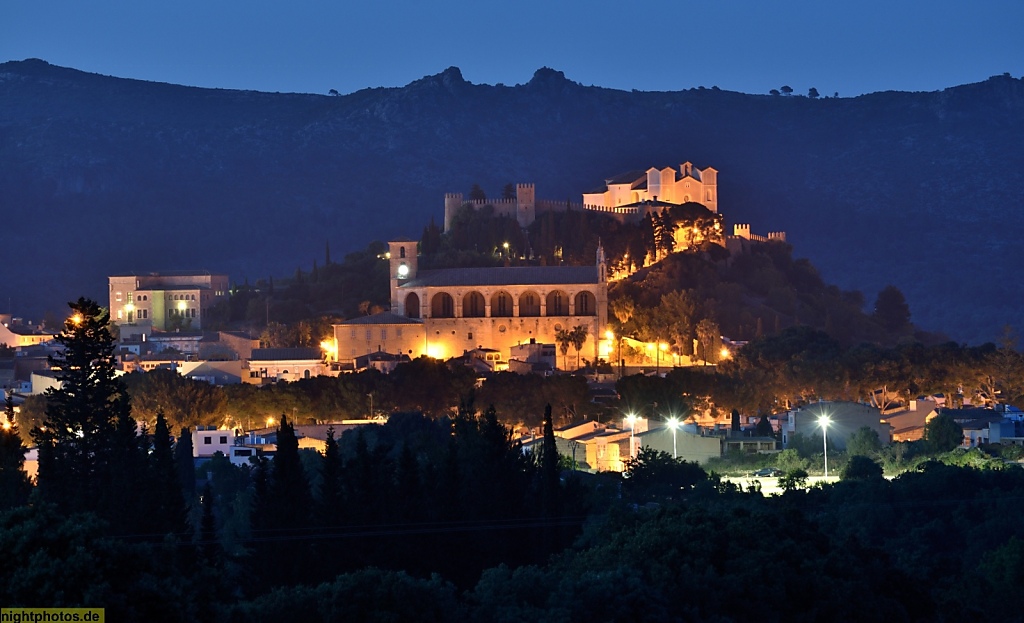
401, 251
473, 305
501, 305
442, 306
412, 306
586, 304
557, 303
529, 304
305, 374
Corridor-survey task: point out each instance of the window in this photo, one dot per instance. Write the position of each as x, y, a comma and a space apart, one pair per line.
442, 306
384, 335
207, 441
245, 452
401, 252
398, 332
501, 305
557, 304
223, 438
412, 306
529, 304
353, 336
369, 334
117, 296
473, 305
586, 304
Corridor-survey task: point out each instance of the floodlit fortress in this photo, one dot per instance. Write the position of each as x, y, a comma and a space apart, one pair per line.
628, 196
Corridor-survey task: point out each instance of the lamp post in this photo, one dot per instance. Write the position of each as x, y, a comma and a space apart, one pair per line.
631, 418
824, 421
673, 423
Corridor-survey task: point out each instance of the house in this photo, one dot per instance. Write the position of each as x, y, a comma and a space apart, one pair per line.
385, 332
380, 361
208, 440
164, 301
843, 420
907, 421
19, 335
268, 365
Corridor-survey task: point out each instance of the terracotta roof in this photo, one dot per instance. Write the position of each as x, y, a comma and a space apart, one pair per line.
504, 276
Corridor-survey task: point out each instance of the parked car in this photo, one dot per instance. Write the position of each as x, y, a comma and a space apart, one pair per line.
767, 472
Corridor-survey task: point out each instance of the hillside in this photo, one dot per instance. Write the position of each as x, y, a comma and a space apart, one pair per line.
101, 175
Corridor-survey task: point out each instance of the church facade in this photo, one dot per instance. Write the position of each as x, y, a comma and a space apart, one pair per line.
448, 312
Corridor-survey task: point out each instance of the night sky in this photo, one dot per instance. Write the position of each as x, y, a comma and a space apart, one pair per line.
306, 46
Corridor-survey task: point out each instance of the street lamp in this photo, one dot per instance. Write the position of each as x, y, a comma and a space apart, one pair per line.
505, 245
631, 418
824, 421
673, 423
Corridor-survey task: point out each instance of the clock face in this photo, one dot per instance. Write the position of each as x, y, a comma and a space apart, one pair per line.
403, 271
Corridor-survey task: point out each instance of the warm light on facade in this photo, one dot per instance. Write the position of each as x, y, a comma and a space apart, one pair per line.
330, 348
436, 351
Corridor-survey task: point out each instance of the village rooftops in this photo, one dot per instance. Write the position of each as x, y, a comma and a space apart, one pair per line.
504, 276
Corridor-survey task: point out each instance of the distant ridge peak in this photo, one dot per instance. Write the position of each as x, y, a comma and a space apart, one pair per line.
548, 75
449, 79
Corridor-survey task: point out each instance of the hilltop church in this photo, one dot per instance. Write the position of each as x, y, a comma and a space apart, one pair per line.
448, 312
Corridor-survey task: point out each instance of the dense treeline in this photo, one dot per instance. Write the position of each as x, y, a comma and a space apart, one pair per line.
447, 519
424, 385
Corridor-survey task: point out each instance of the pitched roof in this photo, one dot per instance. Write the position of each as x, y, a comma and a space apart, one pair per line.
504, 276
381, 318
285, 354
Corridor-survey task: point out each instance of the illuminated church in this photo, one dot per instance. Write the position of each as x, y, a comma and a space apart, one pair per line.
447, 312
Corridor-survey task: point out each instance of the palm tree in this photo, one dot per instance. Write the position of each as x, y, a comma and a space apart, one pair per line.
563, 338
578, 336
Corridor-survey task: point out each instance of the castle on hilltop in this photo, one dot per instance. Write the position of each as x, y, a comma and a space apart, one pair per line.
628, 197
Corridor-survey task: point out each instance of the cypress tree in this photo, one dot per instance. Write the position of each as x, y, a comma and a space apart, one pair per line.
185, 464
330, 499
14, 483
169, 514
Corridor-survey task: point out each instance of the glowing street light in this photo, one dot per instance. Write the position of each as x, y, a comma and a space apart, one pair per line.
724, 353
631, 418
76, 319
823, 422
673, 423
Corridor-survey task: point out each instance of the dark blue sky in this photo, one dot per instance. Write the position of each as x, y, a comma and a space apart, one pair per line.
308, 46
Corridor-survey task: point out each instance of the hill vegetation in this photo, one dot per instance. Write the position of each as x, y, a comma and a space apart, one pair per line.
914, 189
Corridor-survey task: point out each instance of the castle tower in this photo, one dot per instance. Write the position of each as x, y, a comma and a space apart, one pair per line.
452, 203
402, 268
526, 202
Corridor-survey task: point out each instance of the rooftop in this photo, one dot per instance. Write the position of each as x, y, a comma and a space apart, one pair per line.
504, 276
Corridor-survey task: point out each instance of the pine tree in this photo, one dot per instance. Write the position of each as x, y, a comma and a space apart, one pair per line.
14, 483
79, 440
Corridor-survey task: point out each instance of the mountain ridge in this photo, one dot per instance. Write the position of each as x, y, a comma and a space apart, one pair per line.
914, 189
